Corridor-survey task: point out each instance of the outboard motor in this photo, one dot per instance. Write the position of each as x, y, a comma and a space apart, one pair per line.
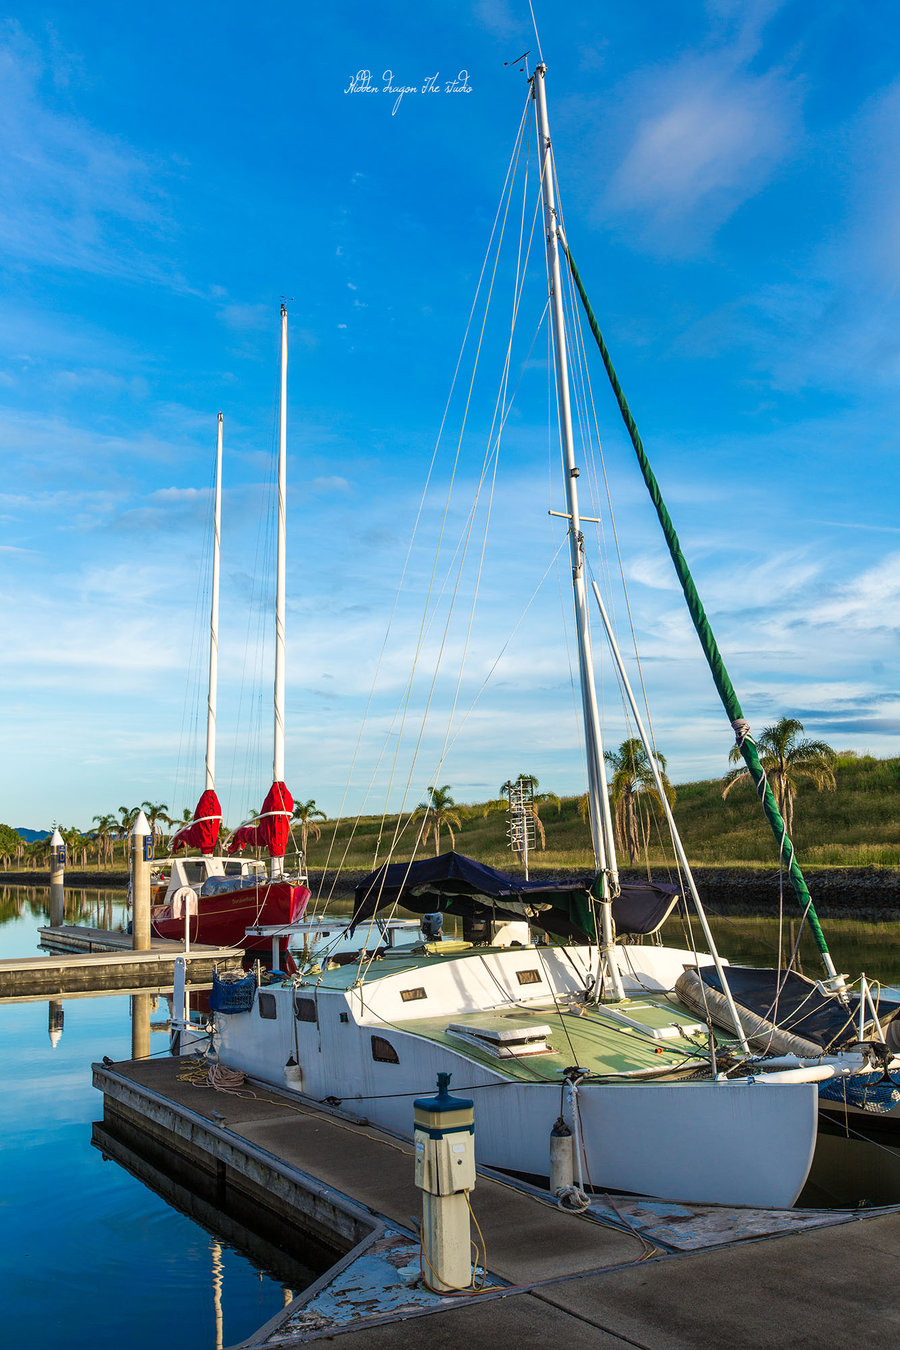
432, 924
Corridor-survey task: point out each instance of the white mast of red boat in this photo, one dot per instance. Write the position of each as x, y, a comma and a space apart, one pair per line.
278, 756
214, 623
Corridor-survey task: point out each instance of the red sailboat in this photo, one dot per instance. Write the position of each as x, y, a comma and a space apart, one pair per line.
214, 899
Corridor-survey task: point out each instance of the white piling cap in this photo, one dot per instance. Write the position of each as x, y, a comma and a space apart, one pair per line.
56, 839
141, 827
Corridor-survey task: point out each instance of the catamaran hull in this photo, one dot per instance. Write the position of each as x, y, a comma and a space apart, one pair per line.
222, 919
731, 1143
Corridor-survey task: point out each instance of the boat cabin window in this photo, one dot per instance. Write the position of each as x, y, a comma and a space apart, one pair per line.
305, 1009
383, 1051
233, 869
194, 870
267, 1005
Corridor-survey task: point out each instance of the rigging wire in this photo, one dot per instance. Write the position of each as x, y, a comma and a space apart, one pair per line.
511, 168
189, 738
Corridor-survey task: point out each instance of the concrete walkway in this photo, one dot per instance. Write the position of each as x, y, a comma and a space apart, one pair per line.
114, 968
586, 1285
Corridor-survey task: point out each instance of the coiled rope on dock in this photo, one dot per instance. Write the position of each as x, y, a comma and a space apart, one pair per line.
218, 1077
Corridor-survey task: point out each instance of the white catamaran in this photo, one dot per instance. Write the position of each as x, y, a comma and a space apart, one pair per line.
587, 1028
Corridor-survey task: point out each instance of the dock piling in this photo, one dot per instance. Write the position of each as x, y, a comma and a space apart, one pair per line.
141, 840
140, 1025
57, 877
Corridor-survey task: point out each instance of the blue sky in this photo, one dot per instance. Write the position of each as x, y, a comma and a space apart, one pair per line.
732, 196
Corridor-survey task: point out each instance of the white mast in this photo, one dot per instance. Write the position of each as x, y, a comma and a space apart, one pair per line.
601, 820
278, 758
277, 866
214, 623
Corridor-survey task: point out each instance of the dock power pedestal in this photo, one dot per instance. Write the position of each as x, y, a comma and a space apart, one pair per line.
445, 1172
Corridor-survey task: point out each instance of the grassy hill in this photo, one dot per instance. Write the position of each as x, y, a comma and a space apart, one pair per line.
856, 825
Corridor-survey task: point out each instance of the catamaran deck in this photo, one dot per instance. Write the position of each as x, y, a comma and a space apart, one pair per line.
660, 1037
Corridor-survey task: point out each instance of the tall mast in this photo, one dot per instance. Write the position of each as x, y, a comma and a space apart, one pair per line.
604, 856
214, 623
278, 758
598, 797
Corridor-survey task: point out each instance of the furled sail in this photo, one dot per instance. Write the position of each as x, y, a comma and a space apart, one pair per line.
271, 830
203, 831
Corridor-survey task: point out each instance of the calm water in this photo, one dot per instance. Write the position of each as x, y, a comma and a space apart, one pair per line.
93, 1255
90, 1254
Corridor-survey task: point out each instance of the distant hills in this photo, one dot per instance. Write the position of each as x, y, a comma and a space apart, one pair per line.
30, 835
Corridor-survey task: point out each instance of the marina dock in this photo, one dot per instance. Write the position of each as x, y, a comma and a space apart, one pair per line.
636, 1273
85, 960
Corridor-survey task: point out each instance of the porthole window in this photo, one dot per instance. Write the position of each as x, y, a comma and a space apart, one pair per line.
268, 1006
305, 1009
383, 1052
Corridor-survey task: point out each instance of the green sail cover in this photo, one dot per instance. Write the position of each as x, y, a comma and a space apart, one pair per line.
707, 639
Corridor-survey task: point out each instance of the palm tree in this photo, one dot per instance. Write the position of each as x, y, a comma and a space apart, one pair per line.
106, 827
127, 816
306, 814
36, 852
156, 812
632, 785
75, 843
438, 811
786, 759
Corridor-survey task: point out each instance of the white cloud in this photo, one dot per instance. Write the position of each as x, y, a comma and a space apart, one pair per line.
176, 494
67, 188
247, 316
497, 17
870, 155
868, 603
333, 485
710, 140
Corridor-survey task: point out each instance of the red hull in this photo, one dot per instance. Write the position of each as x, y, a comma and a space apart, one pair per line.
222, 919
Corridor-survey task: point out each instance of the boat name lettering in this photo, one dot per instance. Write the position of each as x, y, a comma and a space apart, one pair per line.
408, 995
528, 976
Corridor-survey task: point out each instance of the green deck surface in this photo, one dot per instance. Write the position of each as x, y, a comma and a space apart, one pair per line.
590, 1040
590, 1037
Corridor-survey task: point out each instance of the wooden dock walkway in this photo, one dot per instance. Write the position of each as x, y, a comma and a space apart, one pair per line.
661, 1277
94, 960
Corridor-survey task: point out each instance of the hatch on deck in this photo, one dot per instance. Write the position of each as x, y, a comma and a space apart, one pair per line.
510, 1041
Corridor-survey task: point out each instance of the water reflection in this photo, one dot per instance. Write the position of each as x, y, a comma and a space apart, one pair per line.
184, 1273
56, 1019
126, 1265
217, 1290
141, 1007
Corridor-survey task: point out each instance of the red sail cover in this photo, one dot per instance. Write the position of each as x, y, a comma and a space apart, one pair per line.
272, 830
203, 830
